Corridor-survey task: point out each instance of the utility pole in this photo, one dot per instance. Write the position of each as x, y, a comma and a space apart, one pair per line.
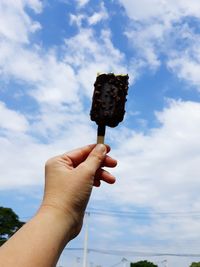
124, 262
77, 260
85, 248
165, 262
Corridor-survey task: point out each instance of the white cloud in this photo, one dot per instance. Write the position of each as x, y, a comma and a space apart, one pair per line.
83, 58
159, 172
15, 24
27, 155
17, 65
82, 3
12, 120
164, 162
90, 55
77, 19
36, 5
100, 15
163, 11
50, 80
157, 29
186, 63
96, 17
56, 85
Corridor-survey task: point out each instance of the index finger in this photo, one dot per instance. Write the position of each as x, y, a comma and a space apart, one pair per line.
80, 154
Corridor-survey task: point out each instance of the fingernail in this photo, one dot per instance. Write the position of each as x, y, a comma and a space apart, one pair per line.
100, 148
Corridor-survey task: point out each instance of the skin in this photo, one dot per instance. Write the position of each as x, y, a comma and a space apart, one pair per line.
69, 179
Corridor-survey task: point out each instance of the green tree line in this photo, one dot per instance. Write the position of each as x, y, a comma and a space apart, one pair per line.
9, 224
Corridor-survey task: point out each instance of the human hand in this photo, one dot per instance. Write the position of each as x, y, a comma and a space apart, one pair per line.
69, 179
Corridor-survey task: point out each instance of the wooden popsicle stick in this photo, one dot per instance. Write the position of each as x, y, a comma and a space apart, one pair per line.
101, 134
100, 139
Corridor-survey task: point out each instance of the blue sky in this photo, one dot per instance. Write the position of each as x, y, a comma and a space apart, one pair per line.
50, 53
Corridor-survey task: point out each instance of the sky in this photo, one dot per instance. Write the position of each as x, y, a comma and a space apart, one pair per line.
50, 54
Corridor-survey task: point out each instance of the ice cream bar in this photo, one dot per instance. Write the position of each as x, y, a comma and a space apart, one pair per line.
108, 103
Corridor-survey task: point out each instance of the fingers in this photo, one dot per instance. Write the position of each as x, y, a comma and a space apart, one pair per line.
89, 160
93, 161
109, 162
79, 155
97, 183
104, 176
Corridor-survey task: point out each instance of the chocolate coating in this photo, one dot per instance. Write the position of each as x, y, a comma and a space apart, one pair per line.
108, 103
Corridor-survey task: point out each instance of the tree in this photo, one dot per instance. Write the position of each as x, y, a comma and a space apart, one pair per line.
143, 264
9, 224
195, 264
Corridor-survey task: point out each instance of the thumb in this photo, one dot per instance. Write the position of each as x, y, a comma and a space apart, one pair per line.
94, 160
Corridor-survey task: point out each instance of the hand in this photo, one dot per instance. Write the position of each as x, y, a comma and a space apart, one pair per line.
69, 179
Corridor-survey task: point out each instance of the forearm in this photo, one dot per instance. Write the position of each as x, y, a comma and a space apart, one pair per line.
69, 179
39, 242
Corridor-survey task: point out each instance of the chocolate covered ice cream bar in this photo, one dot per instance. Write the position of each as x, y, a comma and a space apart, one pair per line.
108, 105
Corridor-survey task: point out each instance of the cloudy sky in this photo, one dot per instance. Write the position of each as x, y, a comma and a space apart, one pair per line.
50, 53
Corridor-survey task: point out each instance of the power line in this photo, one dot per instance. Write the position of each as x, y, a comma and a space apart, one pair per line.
140, 214
144, 212
136, 253
116, 264
145, 215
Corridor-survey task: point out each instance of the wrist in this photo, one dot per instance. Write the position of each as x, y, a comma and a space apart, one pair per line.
64, 220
